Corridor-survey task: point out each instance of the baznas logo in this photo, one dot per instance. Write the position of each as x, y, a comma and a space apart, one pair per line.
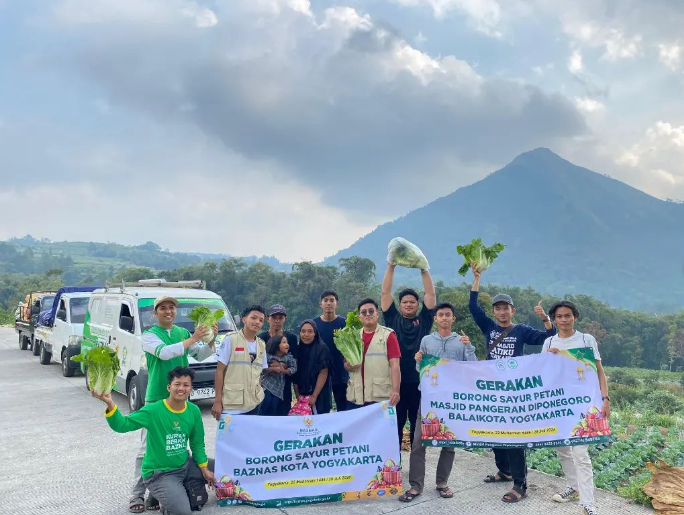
512, 364
500, 365
308, 421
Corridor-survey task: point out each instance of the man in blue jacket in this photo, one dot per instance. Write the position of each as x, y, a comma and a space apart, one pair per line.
503, 339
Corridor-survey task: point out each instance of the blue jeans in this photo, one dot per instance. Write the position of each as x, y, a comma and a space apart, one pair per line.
269, 406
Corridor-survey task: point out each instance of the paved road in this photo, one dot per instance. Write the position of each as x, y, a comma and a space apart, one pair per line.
60, 458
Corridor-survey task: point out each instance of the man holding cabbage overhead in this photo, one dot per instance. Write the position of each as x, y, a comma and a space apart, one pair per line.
409, 325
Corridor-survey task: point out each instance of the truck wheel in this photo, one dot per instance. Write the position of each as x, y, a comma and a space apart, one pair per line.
45, 356
135, 395
35, 346
67, 369
23, 342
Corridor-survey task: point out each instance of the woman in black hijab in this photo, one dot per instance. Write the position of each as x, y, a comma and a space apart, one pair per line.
313, 364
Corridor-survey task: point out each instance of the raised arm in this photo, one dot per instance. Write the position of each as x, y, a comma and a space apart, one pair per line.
386, 298
430, 298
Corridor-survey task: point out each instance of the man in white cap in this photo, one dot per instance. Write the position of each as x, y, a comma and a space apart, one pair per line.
166, 347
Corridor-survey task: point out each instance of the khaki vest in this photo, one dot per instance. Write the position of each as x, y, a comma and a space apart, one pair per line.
242, 381
376, 384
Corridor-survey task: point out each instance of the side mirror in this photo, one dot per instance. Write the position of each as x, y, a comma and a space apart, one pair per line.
126, 324
237, 320
35, 310
61, 314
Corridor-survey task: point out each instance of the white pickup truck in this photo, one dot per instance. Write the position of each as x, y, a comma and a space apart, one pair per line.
60, 339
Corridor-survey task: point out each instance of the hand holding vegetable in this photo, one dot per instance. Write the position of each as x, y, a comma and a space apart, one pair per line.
348, 340
476, 272
476, 252
205, 317
401, 252
349, 367
102, 364
199, 334
106, 398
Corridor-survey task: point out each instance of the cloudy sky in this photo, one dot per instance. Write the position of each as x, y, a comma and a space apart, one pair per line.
291, 128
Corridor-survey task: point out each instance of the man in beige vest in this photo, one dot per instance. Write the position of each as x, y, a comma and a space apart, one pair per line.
377, 378
240, 359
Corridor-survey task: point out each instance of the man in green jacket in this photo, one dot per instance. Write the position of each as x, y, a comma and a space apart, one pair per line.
166, 347
171, 424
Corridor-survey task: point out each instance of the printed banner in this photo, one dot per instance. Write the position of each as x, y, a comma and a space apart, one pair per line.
542, 400
285, 461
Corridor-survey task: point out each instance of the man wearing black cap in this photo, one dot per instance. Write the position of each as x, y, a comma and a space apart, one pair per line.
503, 339
276, 322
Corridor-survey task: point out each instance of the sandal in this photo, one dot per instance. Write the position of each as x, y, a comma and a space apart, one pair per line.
499, 477
408, 496
516, 494
136, 505
445, 492
152, 504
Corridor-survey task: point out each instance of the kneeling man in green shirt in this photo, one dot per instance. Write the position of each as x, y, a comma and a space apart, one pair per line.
171, 424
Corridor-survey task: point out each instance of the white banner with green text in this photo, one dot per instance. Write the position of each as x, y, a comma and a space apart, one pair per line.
285, 461
541, 400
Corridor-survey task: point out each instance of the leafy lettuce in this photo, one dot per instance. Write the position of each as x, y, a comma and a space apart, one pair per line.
476, 252
103, 365
348, 339
202, 315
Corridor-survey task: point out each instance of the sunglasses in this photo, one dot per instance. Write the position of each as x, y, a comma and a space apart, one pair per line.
367, 312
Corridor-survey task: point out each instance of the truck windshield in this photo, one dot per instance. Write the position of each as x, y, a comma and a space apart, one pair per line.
185, 306
46, 302
78, 307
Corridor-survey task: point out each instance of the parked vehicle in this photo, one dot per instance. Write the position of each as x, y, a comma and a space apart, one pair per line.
36, 302
60, 330
117, 316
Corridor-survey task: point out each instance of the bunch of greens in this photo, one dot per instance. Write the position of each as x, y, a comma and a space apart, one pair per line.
476, 252
348, 339
103, 365
202, 315
401, 252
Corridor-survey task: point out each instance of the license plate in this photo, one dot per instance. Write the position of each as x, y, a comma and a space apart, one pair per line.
202, 393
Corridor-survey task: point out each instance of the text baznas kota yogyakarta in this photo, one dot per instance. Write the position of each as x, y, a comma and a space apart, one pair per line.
553, 402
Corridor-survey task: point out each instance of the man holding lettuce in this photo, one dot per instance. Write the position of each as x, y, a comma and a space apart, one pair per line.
504, 339
166, 347
172, 424
410, 327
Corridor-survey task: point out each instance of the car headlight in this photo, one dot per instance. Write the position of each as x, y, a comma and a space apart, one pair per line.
75, 340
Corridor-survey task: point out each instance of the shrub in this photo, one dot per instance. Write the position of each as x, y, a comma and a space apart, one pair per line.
623, 377
625, 396
681, 380
662, 401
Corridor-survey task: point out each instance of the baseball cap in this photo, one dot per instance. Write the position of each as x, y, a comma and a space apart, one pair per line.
502, 297
277, 309
164, 298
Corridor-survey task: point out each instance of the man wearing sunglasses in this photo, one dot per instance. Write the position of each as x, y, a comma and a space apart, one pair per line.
377, 378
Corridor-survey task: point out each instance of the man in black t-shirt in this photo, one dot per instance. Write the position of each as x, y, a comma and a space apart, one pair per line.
327, 323
410, 326
276, 321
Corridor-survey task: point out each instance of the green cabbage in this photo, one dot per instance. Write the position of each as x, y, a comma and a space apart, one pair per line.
202, 315
476, 252
348, 339
401, 252
103, 365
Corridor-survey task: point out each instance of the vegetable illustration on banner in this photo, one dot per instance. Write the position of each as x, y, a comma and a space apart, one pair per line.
543, 400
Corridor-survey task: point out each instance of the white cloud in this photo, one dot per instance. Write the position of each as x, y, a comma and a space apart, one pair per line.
671, 54
589, 105
658, 157
619, 46
483, 15
420, 38
575, 64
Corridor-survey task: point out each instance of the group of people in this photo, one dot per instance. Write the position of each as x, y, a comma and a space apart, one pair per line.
257, 371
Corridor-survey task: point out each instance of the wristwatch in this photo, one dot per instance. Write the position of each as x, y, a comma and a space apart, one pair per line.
606, 398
